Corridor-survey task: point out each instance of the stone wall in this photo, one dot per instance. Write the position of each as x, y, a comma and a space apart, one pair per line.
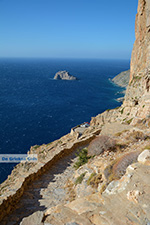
13, 192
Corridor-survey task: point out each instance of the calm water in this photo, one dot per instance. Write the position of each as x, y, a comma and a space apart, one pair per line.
35, 109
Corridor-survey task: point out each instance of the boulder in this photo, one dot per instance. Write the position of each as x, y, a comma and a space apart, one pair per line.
144, 157
35, 218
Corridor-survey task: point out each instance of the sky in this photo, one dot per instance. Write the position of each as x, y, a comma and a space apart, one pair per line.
67, 28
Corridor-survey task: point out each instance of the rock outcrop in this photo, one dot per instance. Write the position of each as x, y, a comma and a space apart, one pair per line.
140, 60
138, 89
64, 75
122, 79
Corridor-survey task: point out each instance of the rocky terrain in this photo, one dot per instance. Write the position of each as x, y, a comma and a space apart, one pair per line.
122, 79
107, 182
64, 75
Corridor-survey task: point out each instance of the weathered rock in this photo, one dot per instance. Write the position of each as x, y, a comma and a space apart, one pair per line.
113, 128
138, 88
144, 157
133, 195
63, 215
64, 75
81, 205
140, 60
35, 218
72, 223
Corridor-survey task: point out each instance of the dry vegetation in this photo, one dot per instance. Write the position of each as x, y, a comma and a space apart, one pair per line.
71, 195
117, 168
137, 135
80, 178
101, 144
94, 180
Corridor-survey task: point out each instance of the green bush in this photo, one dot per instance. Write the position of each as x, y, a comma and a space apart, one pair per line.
36, 146
90, 178
129, 121
80, 178
94, 180
122, 110
82, 158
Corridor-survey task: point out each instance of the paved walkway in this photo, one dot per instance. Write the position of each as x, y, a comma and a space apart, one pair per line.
46, 192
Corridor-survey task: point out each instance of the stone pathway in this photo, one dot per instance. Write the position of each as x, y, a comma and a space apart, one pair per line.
47, 191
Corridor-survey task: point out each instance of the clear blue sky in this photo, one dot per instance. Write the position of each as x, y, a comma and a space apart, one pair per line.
67, 28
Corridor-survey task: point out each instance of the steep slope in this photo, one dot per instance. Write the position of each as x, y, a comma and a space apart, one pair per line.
137, 94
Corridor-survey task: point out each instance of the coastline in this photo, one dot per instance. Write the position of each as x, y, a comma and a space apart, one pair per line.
121, 80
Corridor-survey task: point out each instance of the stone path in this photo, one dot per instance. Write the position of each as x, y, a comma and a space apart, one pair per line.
45, 192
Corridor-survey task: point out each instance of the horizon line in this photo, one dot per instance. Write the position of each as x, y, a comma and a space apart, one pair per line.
45, 57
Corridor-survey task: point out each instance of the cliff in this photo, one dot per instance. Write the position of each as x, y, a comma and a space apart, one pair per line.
140, 60
108, 182
122, 79
137, 94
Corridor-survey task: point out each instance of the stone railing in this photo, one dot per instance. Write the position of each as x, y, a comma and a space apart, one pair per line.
11, 195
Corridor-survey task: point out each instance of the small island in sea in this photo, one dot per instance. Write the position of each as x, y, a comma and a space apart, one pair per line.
64, 75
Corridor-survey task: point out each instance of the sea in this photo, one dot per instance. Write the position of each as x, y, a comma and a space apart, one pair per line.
36, 109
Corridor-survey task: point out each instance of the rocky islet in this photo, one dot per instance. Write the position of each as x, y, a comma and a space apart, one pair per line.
64, 75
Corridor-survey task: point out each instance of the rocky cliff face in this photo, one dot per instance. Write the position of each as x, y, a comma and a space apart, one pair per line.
138, 89
137, 98
140, 61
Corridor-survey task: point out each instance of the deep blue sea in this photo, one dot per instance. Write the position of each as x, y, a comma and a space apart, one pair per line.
35, 109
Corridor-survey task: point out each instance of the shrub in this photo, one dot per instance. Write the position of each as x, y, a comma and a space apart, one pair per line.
91, 176
138, 135
82, 158
148, 124
36, 146
108, 172
94, 180
71, 195
80, 178
122, 110
100, 144
103, 188
120, 133
120, 147
147, 147
129, 121
117, 168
